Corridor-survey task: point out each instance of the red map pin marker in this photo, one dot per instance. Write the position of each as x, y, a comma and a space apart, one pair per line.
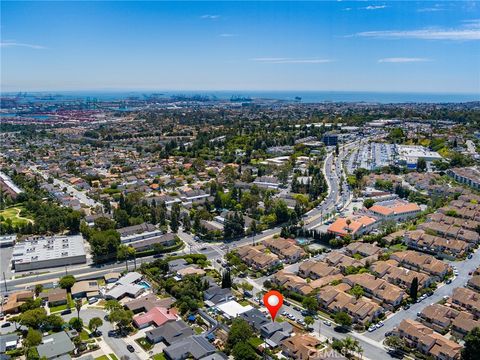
273, 301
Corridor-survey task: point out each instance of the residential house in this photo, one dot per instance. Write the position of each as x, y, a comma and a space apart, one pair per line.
467, 299
286, 249
463, 324
364, 249
192, 347
292, 282
427, 341
147, 302
391, 271
85, 288
254, 256
170, 332
8, 342
55, 297
422, 262
316, 269
57, 345
439, 246
12, 305
215, 295
255, 318
438, 317
474, 283
391, 296
156, 316
300, 347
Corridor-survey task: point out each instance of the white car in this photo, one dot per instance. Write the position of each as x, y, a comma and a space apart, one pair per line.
328, 323
379, 324
372, 328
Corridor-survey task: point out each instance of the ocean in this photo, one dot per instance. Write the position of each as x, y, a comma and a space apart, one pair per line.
306, 96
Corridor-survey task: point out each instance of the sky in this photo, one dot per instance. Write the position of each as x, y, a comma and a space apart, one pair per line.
386, 46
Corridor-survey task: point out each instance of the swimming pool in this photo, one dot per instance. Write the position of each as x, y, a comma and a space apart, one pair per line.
144, 284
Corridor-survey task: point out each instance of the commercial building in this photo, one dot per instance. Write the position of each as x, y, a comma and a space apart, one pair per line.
47, 252
408, 155
330, 139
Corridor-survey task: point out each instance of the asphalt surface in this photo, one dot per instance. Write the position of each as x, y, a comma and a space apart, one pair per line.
117, 344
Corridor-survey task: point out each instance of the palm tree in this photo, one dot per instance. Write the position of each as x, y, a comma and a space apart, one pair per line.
351, 345
122, 253
131, 252
78, 306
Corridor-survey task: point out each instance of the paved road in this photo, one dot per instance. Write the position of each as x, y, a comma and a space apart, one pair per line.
118, 345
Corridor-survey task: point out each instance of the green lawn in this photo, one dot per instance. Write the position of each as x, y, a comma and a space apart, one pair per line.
144, 344
159, 357
84, 335
13, 213
198, 330
113, 356
255, 342
103, 357
398, 247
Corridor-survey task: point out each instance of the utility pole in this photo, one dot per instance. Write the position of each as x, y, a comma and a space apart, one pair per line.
5, 283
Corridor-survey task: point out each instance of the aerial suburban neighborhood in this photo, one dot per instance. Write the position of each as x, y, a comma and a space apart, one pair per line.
239, 180
140, 235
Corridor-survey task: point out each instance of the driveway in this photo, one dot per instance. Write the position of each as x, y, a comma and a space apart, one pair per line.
118, 345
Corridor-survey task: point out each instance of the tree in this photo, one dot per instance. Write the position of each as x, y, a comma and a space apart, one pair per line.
226, 280
357, 291
123, 254
111, 305
33, 318
308, 320
33, 338
94, 324
67, 282
175, 217
122, 318
76, 323
368, 203
343, 319
38, 289
421, 165
54, 322
78, 306
414, 289
351, 345
471, 347
395, 342
131, 252
240, 331
310, 303
244, 351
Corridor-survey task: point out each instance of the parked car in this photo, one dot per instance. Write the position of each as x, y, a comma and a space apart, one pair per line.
130, 348
470, 256
372, 328
327, 322
449, 281
379, 324
66, 312
406, 307
7, 324
92, 300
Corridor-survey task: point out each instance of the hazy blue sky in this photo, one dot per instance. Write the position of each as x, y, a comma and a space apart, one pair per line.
351, 46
